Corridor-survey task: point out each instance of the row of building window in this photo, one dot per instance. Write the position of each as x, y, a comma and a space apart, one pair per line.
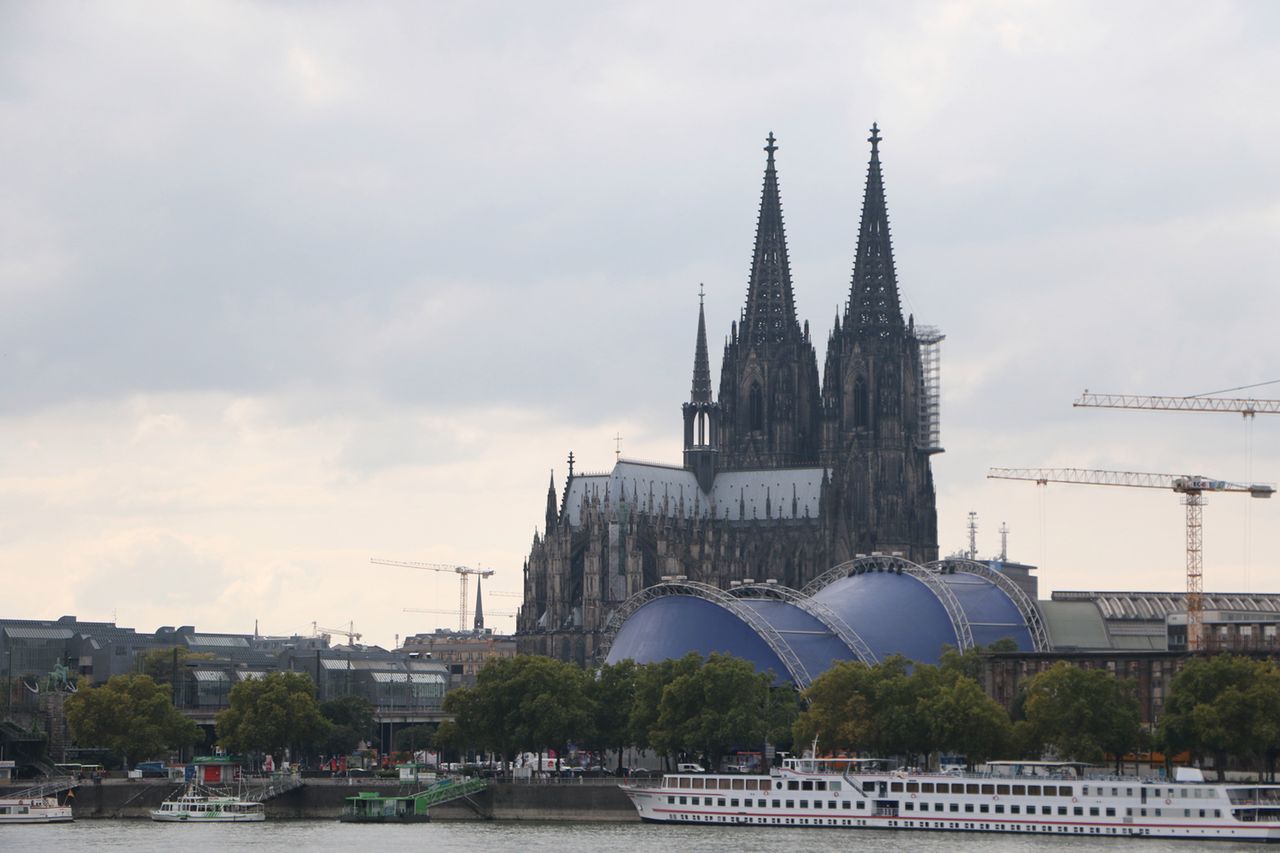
982, 808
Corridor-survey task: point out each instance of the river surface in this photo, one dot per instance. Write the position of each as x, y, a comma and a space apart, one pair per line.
143, 836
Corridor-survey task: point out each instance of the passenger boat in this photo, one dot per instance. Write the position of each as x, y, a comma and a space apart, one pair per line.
199, 805
370, 807
33, 810
1051, 798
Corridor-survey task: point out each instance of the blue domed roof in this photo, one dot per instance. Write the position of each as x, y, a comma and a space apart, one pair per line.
891, 612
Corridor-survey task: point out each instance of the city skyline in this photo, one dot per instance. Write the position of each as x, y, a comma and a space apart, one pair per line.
283, 289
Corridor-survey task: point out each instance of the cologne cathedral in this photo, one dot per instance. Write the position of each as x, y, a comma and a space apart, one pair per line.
783, 476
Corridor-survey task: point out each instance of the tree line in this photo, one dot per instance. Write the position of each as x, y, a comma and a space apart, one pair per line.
1226, 708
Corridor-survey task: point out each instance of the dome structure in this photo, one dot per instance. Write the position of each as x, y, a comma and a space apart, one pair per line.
865, 609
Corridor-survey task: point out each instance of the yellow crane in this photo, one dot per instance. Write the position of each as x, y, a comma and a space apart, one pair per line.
461, 571
1192, 489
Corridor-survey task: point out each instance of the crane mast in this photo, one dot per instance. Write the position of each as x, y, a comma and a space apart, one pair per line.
1190, 487
461, 571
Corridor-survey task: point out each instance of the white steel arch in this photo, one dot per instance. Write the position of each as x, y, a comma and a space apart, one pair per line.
1026, 607
817, 610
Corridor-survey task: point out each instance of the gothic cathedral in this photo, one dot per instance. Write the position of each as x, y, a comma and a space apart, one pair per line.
781, 478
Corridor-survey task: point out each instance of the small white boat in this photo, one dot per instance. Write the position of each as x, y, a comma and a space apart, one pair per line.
198, 805
33, 810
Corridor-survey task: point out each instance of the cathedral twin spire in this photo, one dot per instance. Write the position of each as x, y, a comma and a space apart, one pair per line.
770, 313
873, 296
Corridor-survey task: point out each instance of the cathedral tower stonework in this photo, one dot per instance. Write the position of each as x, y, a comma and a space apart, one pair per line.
781, 477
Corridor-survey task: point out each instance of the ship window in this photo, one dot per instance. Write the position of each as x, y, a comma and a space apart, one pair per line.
861, 804
988, 789
896, 787
926, 787
1046, 810
911, 807
1050, 791
697, 783
971, 789
738, 785
1065, 790
1084, 791
1079, 811
817, 804
793, 786
999, 809
1015, 810
819, 786
1093, 811
845, 805
1019, 790
969, 807
791, 804
1062, 810
804, 804
1033, 790
806, 785
955, 807
913, 787
733, 802
1202, 813
1002, 790
834, 786
984, 808
1217, 812
720, 801
684, 801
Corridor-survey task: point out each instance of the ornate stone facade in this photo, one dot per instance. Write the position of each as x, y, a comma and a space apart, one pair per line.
781, 477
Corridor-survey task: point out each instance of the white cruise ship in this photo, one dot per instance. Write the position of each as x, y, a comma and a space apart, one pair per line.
1053, 798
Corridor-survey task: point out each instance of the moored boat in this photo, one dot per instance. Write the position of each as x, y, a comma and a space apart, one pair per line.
33, 810
198, 805
1038, 797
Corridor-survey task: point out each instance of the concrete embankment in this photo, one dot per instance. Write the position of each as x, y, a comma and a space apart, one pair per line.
323, 800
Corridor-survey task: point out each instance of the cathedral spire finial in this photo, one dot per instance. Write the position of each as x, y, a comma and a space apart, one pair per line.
701, 392
770, 313
873, 296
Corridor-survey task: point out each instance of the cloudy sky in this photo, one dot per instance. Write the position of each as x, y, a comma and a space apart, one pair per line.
284, 285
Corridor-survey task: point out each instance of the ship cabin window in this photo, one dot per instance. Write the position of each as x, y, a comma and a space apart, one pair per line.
846, 805
1015, 810
999, 809
684, 801
1111, 812
834, 786
1046, 810
1084, 791
697, 783
1033, 790
1115, 792
984, 808
733, 802
1079, 811
720, 801
1128, 792
1142, 812
739, 785
819, 786
971, 789
806, 785
1159, 813
968, 807
1050, 791
955, 807
1217, 812
1093, 811
1002, 790
1019, 790
913, 787
693, 801
911, 806
793, 785
926, 787
988, 789
1062, 810
791, 804
817, 804
1065, 791
896, 787
779, 786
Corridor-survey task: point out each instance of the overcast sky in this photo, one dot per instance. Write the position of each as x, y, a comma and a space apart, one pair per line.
284, 286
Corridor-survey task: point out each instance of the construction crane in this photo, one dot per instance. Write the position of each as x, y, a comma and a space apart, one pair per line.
1192, 489
1240, 405
461, 571
350, 633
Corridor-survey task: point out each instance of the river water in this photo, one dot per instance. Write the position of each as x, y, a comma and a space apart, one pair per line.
143, 836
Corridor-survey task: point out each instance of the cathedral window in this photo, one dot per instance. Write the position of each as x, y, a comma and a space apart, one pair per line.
756, 408
861, 415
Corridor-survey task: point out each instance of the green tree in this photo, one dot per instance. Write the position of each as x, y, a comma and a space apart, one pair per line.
721, 704
274, 712
164, 664
841, 709
414, 738
352, 721
130, 715
1224, 706
651, 680
962, 719
613, 693
1083, 713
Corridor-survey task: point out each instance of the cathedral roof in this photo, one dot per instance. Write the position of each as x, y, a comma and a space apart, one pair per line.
669, 491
